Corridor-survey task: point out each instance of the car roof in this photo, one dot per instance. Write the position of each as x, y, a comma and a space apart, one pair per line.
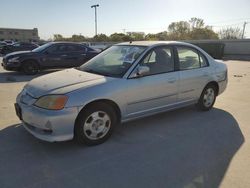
152, 43
160, 43
66, 42
74, 43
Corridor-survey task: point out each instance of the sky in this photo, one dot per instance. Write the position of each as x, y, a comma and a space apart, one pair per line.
68, 17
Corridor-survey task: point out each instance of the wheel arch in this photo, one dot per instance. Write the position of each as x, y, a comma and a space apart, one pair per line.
113, 104
215, 84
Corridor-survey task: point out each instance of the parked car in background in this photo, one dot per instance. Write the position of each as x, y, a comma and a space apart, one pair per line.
100, 46
40, 43
2, 44
47, 56
124, 82
9, 42
18, 46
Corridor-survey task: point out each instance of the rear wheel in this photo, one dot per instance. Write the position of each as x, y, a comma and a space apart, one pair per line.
95, 124
30, 68
207, 98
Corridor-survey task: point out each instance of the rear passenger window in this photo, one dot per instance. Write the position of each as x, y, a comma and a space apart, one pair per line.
82, 48
71, 48
76, 48
188, 58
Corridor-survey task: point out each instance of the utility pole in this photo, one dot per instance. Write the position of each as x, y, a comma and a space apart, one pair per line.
243, 31
95, 6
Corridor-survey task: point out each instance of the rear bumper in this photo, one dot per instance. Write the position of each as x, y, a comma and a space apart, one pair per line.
222, 86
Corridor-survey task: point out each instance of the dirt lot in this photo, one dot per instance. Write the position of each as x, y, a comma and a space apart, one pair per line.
184, 148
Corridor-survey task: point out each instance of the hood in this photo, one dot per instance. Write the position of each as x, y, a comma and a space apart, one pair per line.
18, 53
63, 82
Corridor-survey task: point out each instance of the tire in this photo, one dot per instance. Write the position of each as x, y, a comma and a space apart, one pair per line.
95, 124
30, 68
207, 98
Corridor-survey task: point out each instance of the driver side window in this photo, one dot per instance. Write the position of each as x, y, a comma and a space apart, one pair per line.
159, 60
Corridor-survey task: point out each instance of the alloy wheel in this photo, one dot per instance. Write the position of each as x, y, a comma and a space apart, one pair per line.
97, 125
208, 97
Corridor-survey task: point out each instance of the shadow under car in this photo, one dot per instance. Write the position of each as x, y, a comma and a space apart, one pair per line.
181, 148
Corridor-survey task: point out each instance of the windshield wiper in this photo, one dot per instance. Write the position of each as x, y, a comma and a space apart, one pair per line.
99, 73
96, 72
91, 71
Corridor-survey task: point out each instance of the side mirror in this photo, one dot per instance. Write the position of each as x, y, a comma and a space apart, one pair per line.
141, 71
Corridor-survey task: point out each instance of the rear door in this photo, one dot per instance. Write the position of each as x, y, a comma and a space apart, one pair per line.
194, 73
76, 55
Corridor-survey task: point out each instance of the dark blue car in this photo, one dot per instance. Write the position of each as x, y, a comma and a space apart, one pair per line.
47, 56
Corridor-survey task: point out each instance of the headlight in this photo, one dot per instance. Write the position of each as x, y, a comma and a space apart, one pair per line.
13, 60
52, 102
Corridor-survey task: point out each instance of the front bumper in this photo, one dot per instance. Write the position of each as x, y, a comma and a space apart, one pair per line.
10, 66
49, 125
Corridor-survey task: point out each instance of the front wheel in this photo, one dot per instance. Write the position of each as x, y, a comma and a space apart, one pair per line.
207, 98
95, 124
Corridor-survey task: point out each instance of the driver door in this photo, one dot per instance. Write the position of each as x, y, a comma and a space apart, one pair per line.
56, 56
155, 90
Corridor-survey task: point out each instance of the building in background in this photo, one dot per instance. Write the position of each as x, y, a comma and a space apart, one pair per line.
22, 35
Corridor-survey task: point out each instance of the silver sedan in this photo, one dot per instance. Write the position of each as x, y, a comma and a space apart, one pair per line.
125, 82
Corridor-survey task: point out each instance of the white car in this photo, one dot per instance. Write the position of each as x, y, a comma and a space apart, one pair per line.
125, 82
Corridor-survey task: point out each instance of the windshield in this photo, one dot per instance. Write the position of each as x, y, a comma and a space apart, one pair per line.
113, 62
41, 48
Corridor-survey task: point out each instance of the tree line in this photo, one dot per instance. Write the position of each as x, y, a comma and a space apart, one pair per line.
194, 29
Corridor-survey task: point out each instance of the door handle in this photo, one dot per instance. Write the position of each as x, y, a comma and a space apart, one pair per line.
64, 55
